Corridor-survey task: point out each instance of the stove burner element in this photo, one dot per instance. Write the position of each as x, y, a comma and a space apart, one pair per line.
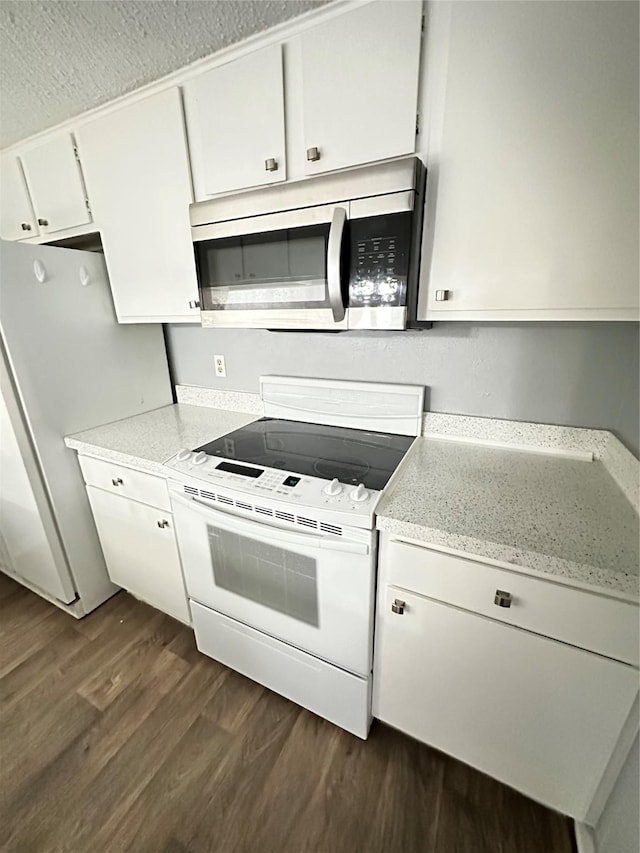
346, 471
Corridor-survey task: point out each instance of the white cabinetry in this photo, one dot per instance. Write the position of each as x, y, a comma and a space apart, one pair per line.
360, 85
137, 174
54, 178
235, 116
540, 715
137, 538
17, 219
533, 198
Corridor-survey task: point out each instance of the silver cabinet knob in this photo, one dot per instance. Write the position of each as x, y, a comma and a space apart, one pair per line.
443, 295
194, 303
398, 606
25, 226
271, 164
163, 523
313, 153
44, 222
502, 598
116, 481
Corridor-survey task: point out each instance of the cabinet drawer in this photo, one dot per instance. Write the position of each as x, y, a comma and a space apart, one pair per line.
116, 478
584, 619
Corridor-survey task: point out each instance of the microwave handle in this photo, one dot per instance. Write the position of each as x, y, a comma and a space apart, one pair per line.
334, 253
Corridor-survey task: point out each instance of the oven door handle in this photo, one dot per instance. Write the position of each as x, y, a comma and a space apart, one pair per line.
334, 254
261, 530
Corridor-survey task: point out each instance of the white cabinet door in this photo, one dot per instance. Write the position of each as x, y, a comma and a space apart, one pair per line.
537, 188
539, 715
360, 85
55, 182
17, 219
140, 550
235, 116
137, 172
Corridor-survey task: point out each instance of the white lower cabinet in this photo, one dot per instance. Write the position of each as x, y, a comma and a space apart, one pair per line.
539, 715
140, 550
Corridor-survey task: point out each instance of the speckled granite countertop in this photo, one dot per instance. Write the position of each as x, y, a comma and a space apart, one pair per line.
546, 514
146, 441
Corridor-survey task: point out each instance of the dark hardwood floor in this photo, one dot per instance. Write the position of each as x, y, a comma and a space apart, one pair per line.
117, 735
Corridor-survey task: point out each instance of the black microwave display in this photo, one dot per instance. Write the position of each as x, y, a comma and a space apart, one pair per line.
379, 266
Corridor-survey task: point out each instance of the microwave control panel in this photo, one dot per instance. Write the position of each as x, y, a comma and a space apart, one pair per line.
380, 260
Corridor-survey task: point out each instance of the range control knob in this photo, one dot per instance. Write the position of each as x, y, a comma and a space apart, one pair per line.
359, 493
333, 488
199, 458
183, 455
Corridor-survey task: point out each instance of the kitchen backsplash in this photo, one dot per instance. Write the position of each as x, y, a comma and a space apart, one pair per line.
577, 374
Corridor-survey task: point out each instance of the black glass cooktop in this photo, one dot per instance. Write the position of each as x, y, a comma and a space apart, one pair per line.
350, 455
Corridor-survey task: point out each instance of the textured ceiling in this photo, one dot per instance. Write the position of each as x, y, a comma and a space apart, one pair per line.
59, 58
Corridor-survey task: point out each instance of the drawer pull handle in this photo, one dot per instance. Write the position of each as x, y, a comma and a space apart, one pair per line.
163, 523
116, 481
398, 606
502, 598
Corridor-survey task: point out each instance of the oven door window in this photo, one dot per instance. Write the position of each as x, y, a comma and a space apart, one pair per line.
275, 577
274, 269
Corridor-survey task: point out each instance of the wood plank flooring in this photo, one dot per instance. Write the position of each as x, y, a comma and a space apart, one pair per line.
117, 735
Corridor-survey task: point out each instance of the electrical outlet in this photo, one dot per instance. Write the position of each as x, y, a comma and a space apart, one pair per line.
221, 367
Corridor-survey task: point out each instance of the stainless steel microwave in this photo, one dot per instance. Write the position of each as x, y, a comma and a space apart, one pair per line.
337, 251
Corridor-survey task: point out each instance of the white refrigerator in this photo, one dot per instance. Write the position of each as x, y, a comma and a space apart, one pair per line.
65, 365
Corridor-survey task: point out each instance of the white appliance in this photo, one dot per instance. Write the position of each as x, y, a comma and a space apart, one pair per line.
66, 365
335, 251
275, 524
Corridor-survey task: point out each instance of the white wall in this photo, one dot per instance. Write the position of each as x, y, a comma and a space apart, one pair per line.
578, 374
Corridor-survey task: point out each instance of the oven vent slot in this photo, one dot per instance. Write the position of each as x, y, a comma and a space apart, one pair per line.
330, 528
306, 522
285, 516
242, 505
208, 495
190, 490
225, 500
263, 510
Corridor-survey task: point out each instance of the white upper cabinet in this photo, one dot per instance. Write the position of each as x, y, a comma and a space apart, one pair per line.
360, 85
235, 118
54, 178
17, 219
536, 154
137, 174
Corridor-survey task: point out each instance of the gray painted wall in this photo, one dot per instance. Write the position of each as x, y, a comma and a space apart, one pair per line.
576, 374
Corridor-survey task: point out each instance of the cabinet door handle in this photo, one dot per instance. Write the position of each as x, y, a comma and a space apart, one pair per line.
313, 153
502, 598
25, 226
163, 523
271, 164
398, 606
44, 222
443, 295
193, 303
116, 481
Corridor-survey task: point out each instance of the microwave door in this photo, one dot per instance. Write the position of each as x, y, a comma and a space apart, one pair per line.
275, 271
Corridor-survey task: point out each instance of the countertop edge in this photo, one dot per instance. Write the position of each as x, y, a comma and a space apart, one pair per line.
590, 578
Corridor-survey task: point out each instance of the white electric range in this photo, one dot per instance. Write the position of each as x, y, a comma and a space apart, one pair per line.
275, 523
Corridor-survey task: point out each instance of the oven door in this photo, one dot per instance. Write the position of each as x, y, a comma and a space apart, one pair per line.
279, 270
313, 592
